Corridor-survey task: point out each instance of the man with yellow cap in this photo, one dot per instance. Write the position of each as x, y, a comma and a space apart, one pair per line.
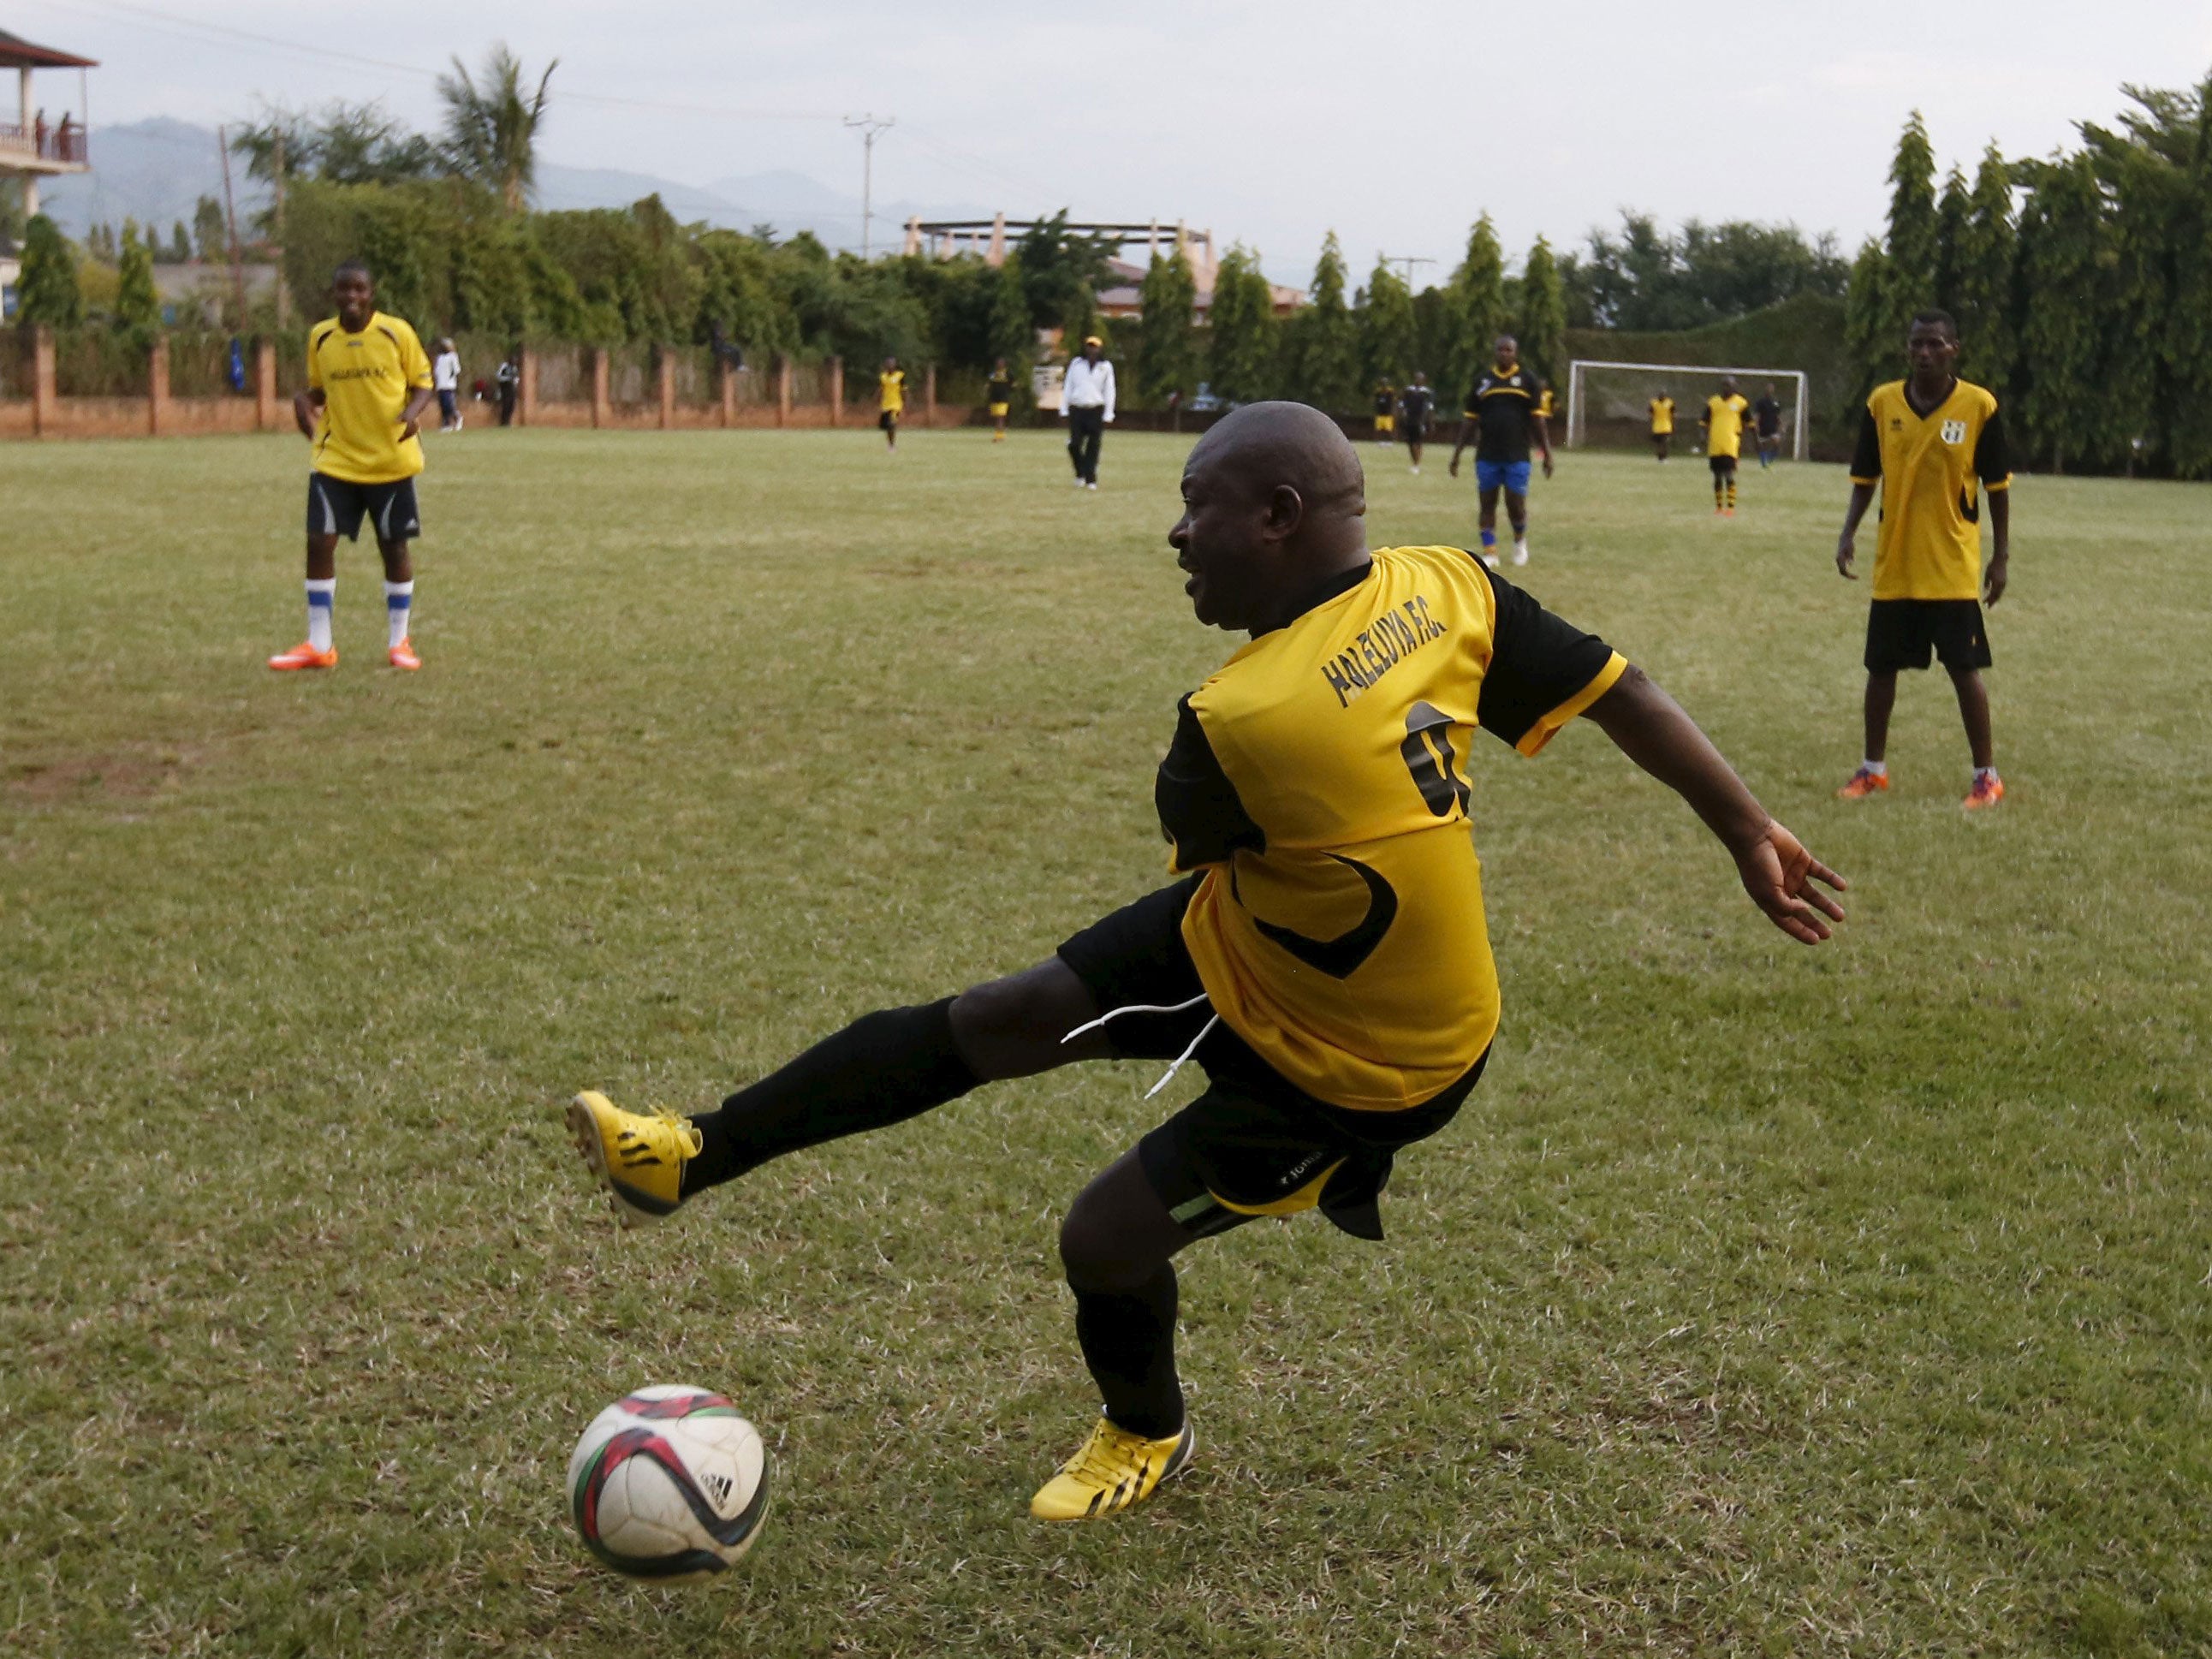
1086, 400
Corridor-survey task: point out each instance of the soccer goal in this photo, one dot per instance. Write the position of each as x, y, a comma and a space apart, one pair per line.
1611, 402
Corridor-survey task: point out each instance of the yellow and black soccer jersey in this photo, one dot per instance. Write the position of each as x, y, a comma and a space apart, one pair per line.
1319, 779
891, 390
1505, 404
1386, 398
366, 380
999, 393
1662, 416
1724, 423
1928, 467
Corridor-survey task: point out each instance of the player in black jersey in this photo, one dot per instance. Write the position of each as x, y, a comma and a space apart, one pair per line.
1414, 405
998, 398
1505, 408
1766, 416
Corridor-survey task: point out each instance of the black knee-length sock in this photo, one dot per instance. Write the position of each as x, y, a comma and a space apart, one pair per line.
883, 1068
1128, 1343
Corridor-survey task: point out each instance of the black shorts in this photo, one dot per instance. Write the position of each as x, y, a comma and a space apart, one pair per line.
888, 420
1414, 432
335, 507
1253, 1143
1721, 465
1767, 437
1901, 634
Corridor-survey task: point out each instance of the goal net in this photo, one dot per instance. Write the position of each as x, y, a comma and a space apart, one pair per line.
1609, 404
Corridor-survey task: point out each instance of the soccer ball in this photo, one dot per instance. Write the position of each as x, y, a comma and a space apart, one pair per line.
669, 1484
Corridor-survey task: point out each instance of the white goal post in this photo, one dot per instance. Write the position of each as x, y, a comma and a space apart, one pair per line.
1800, 422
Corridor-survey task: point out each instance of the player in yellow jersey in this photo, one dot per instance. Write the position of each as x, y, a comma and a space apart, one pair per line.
998, 398
1722, 422
890, 400
1386, 410
368, 385
1662, 424
1936, 447
1323, 954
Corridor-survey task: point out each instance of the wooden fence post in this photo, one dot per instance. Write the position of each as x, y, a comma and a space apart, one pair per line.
157, 386
727, 391
42, 380
264, 386
836, 392
525, 390
783, 388
665, 385
929, 395
602, 410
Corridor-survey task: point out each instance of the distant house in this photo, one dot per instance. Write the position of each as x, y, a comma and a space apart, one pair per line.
1121, 296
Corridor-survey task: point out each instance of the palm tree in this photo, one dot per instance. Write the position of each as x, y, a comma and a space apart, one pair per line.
491, 128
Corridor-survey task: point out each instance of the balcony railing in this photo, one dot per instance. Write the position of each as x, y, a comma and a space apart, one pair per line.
44, 143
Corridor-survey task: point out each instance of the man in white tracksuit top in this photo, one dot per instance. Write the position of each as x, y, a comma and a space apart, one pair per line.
1086, 399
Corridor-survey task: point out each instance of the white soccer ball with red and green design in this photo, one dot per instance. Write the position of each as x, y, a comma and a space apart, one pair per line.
669, 1483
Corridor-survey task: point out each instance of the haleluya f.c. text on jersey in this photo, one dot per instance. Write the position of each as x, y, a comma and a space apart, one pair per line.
1320, 780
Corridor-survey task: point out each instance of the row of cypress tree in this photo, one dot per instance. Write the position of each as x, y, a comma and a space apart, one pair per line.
1337, 346
2081, 282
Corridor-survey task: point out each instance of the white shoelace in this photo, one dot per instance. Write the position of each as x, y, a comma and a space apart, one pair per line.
1168, 1076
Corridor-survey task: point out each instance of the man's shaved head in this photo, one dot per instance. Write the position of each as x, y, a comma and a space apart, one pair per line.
1262, 446
1274, 498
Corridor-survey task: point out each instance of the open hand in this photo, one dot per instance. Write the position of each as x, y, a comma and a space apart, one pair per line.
1778, 873
1846, 545
1993, 579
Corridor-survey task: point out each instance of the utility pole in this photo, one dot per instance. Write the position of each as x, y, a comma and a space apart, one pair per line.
283, 311
869, 126
1408, 260
230, 222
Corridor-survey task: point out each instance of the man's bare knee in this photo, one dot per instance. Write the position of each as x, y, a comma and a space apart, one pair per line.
1013, 1027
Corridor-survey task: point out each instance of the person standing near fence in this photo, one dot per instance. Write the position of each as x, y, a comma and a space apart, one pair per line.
368, 387
508, 379
998, 398
1086, 399
890, 400
446, 379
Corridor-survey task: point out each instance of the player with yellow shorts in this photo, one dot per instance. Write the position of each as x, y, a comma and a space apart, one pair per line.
998, 398
1662, 408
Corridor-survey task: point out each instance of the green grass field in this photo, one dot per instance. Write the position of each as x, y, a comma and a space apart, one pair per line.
1763, 1300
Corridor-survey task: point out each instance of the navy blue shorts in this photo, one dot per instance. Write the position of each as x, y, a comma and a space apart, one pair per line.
335, 507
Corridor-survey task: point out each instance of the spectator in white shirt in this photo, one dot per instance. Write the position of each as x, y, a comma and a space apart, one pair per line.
445, 377
1086, 399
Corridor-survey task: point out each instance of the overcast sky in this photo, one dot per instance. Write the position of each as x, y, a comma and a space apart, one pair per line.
1393, 124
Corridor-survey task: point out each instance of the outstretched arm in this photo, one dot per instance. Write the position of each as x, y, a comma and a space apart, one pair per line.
1650, 727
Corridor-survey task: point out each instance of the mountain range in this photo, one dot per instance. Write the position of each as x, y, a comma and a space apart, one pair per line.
156, 171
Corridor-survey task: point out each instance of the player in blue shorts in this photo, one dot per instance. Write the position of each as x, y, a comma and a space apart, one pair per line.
1503, 411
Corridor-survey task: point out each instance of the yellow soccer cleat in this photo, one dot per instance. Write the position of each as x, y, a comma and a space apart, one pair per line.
640, 1157
1114, 1469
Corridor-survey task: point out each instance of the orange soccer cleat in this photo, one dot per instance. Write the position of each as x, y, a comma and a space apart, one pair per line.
1987, 790
303, 656
1863, 783
402, 655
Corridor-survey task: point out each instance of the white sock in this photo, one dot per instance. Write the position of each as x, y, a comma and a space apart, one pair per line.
321, 596
1982, 772
1880, 768
398, 606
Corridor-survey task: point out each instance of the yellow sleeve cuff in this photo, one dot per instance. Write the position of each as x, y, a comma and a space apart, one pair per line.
1866, 483
1534, 739
2004, 483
